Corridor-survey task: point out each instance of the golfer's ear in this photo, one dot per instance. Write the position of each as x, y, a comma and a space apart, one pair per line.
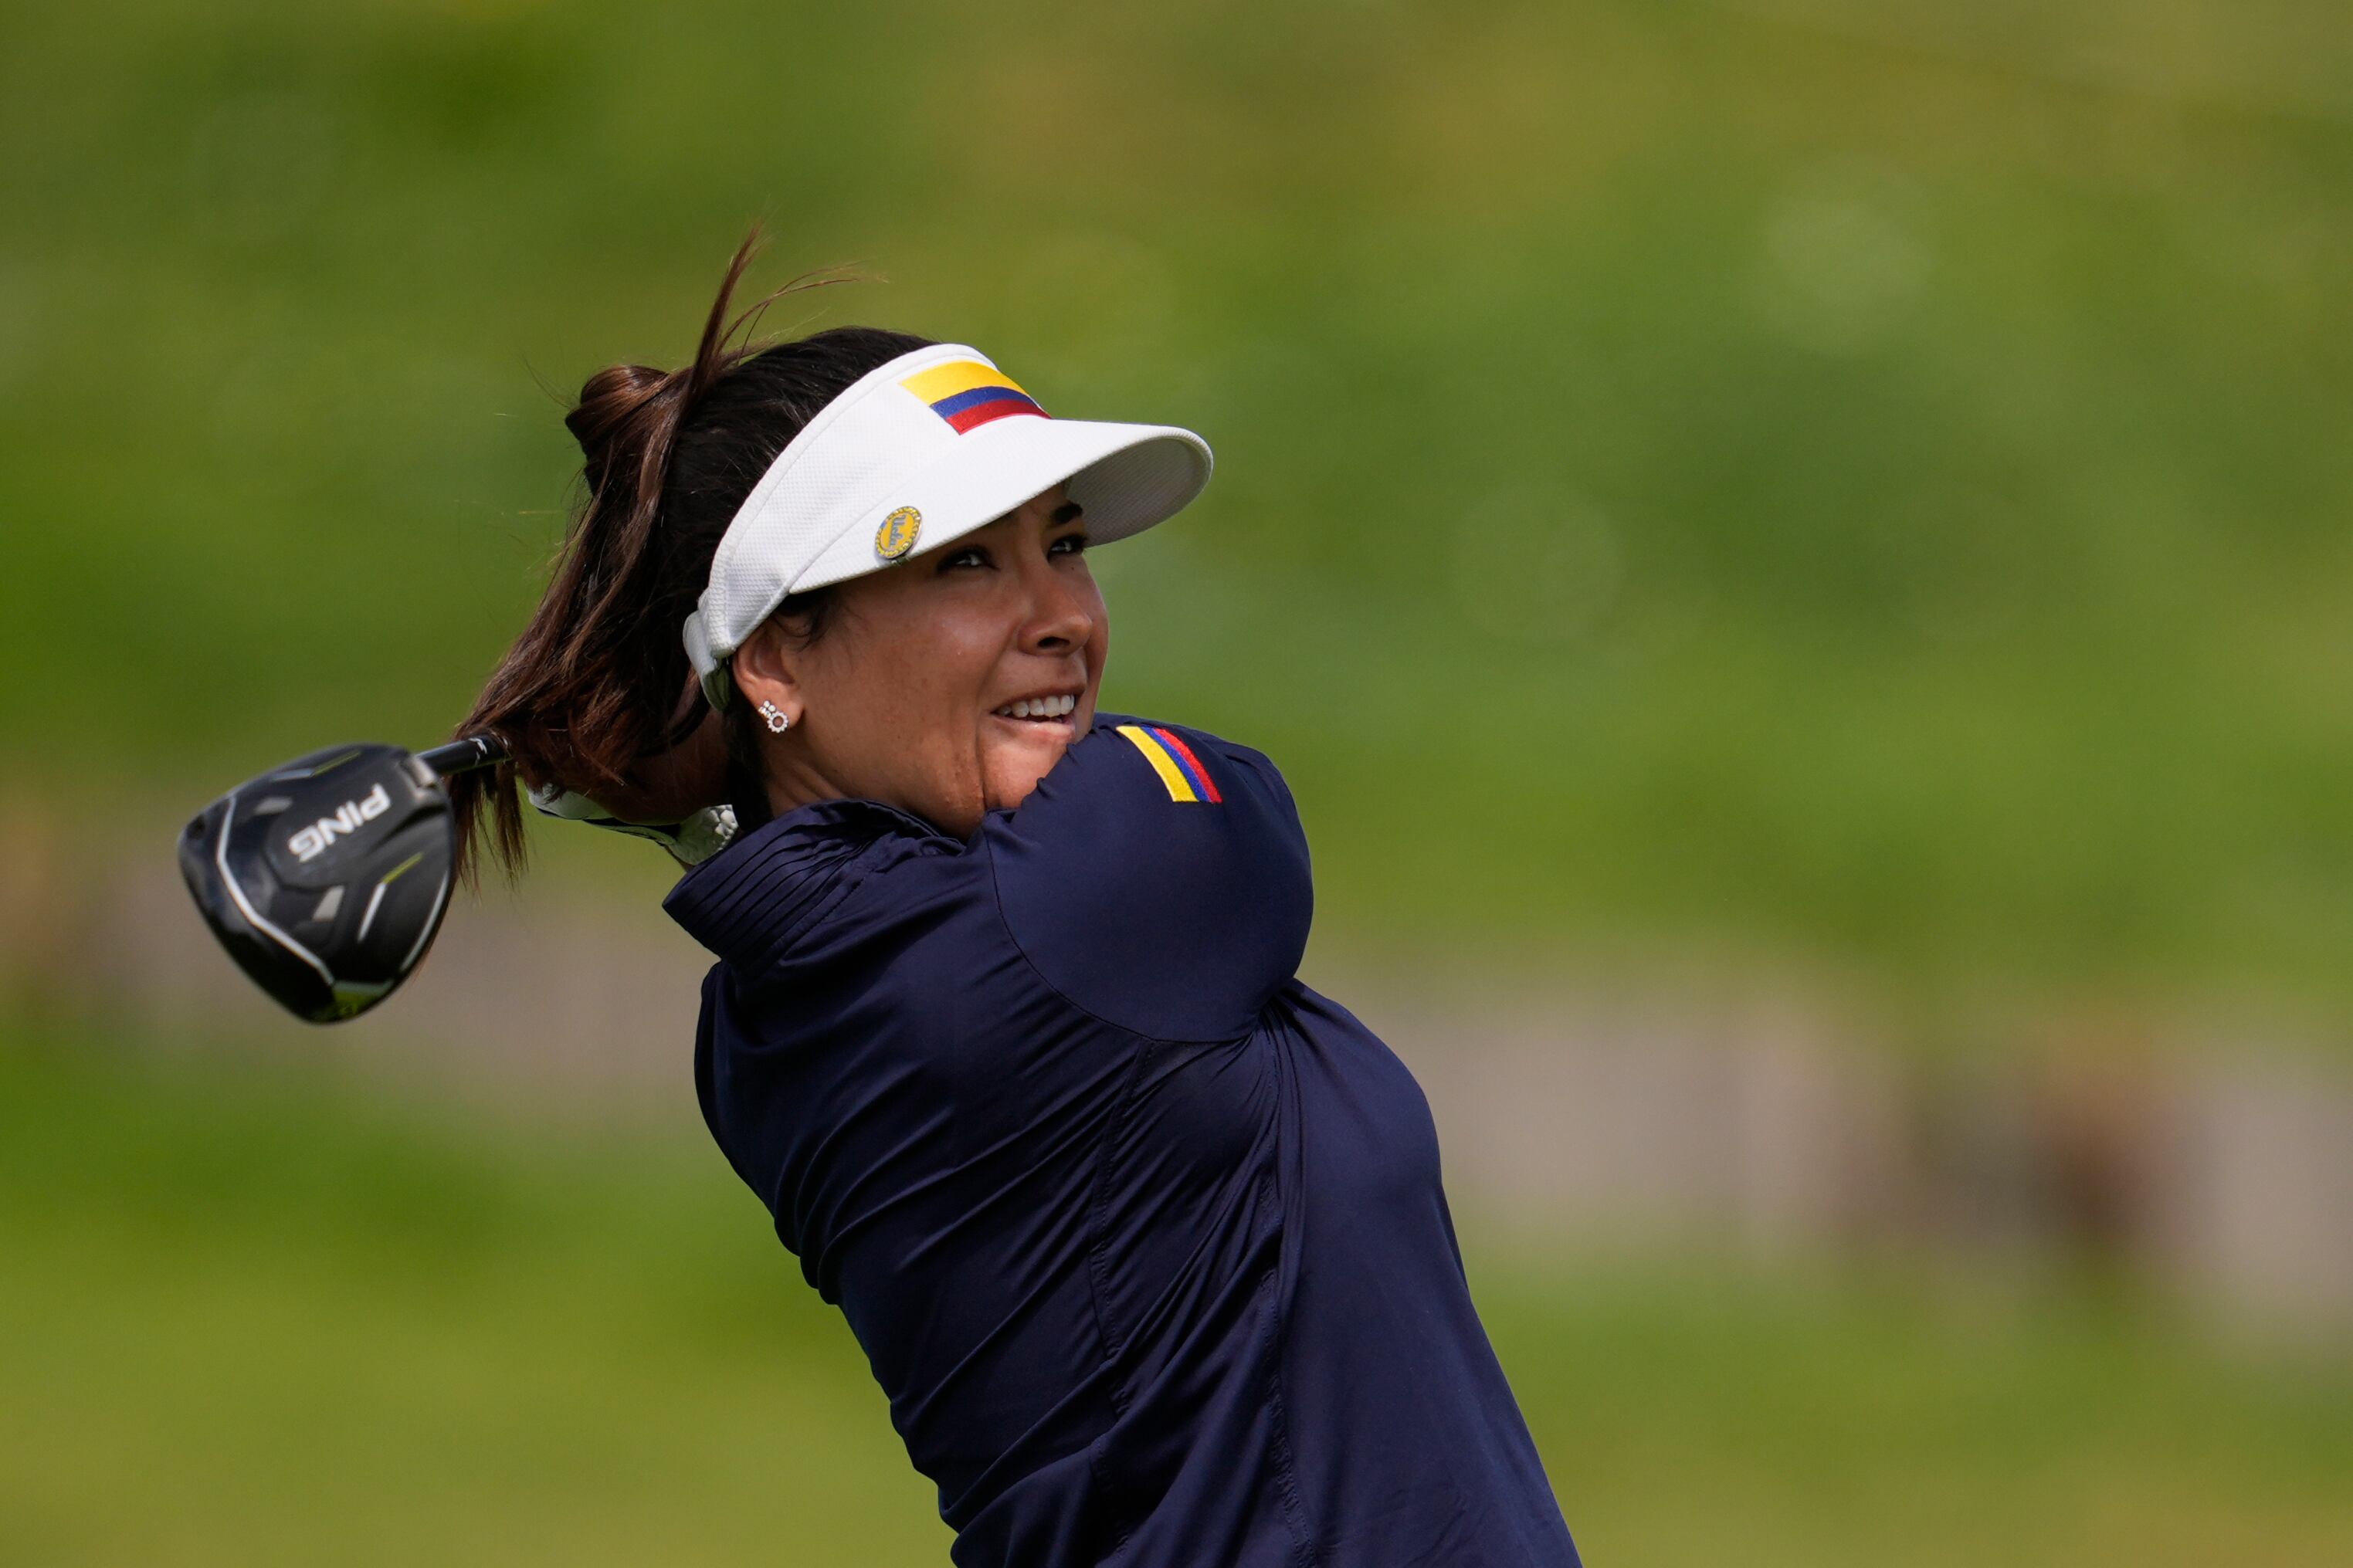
765, 669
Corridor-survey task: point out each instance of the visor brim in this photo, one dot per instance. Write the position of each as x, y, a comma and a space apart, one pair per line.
1128, 478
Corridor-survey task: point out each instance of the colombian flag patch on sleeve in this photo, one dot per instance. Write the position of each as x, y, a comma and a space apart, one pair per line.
1179, 769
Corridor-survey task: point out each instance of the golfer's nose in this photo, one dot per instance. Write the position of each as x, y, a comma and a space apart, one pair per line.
1060, 618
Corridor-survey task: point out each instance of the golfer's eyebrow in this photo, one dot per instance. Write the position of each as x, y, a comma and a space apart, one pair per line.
1068, 511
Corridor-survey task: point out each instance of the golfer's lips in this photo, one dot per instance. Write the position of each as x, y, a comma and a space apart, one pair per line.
1042, 708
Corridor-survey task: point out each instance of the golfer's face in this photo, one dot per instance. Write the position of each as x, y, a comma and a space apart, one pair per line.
949, 684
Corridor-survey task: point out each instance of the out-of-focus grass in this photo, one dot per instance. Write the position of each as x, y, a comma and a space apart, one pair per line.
252, 1320
1858, 482
247, 1323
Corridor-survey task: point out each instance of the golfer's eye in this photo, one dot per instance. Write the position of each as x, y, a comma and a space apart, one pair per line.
971, 555
1068, 544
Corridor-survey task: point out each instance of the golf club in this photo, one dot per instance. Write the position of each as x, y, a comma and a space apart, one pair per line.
326, 878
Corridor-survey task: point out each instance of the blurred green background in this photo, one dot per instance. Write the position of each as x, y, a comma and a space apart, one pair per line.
247, 1322
1848, 488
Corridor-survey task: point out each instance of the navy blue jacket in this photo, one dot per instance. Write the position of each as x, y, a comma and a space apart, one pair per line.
1143, 1237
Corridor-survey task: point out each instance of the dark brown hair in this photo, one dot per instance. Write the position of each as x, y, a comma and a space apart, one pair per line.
596, 682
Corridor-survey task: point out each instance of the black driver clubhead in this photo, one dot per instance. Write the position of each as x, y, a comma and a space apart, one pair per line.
326, 879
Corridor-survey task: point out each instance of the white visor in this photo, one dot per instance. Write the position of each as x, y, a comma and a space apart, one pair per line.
917, 452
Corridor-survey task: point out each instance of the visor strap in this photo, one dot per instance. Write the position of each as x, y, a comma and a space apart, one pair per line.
709, 668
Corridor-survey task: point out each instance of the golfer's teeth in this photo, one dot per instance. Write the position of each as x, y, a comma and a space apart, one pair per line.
1040, 708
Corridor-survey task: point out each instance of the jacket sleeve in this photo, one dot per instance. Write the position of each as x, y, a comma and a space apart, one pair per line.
1158, 878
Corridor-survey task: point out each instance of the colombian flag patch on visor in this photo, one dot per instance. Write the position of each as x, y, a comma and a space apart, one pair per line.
968, 394
1179, 769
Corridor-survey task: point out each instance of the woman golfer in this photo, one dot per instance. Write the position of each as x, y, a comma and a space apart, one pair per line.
1144, 1239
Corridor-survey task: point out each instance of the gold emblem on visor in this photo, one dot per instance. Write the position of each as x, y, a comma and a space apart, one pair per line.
897, 534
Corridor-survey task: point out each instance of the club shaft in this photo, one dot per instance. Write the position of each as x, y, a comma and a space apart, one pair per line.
464, 755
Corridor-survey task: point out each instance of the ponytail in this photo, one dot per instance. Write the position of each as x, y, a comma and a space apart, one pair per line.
598, 681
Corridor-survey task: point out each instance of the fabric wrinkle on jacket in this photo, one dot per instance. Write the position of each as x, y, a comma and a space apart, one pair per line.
1144, 1239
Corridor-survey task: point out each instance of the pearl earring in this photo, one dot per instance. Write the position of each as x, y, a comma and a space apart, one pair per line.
778, 719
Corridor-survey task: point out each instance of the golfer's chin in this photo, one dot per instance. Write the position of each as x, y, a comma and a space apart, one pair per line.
1021, 752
